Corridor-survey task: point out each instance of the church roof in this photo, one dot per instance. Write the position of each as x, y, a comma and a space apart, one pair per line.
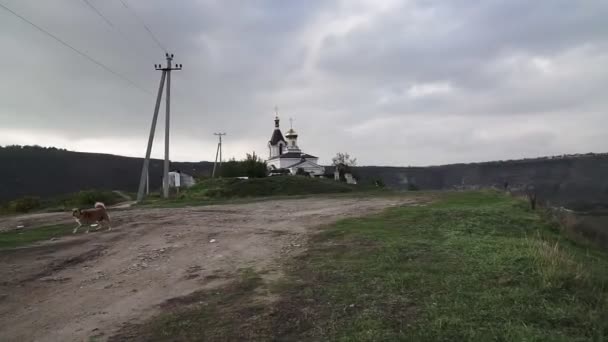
276, 137
292, 155
304, 162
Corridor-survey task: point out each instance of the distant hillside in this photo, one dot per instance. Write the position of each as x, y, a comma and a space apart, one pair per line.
46, 172
575, 181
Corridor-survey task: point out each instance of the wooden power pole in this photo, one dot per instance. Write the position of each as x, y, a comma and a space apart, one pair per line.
219, 151
166, 75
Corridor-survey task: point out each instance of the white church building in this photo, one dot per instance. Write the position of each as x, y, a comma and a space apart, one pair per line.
284, 153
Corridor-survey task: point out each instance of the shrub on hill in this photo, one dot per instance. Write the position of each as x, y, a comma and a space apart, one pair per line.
90, 197
81, 199
24, 204
268, 186
252, 166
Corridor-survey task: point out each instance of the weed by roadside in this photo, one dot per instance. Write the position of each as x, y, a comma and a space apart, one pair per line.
81, 199
22, 237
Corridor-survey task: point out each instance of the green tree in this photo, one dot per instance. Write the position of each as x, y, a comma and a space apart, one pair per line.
252, 166
232, 168
255, 167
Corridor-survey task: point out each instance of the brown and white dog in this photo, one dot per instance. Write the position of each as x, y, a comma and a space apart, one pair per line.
98, 215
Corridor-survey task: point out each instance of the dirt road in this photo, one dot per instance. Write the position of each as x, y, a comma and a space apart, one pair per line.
89, 285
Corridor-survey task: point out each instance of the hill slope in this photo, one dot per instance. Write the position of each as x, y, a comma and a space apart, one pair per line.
574, 181
269, 186
49, 172
577, 181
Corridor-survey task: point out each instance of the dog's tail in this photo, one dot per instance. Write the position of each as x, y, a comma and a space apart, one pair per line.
100, 205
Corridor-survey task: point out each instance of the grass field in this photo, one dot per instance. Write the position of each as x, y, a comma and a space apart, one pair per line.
234, 190
475, 266
268, 186
24, 237
81, 199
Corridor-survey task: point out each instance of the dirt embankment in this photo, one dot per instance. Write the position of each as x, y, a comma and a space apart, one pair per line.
90, 285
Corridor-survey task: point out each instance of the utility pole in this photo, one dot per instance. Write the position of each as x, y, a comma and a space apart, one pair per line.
166, 75
219, 151
148, 183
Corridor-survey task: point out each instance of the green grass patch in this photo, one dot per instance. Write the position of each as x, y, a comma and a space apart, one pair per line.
476, 266
268, 186
24, 237
81, 199
471, 267
234, 190
216, 315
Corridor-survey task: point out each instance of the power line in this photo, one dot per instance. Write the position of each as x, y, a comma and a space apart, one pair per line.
105, 67
99, 13
109, 22
144, 25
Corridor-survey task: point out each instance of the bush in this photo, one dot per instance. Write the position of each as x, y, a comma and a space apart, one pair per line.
379, 183
301, 172
252, 166
255, 167
89, 197
25, 204
82, 199
280, 172
4, 207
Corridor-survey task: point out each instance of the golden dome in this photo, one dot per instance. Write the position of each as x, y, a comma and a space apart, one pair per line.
291, 133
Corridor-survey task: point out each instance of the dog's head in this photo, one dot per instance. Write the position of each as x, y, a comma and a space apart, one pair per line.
76, 212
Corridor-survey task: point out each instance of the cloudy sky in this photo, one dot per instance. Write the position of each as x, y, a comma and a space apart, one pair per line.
391, 82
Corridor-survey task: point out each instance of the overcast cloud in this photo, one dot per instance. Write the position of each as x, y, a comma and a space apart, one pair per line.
391, 82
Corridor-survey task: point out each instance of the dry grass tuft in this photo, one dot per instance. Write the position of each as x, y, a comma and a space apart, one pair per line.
555, 265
